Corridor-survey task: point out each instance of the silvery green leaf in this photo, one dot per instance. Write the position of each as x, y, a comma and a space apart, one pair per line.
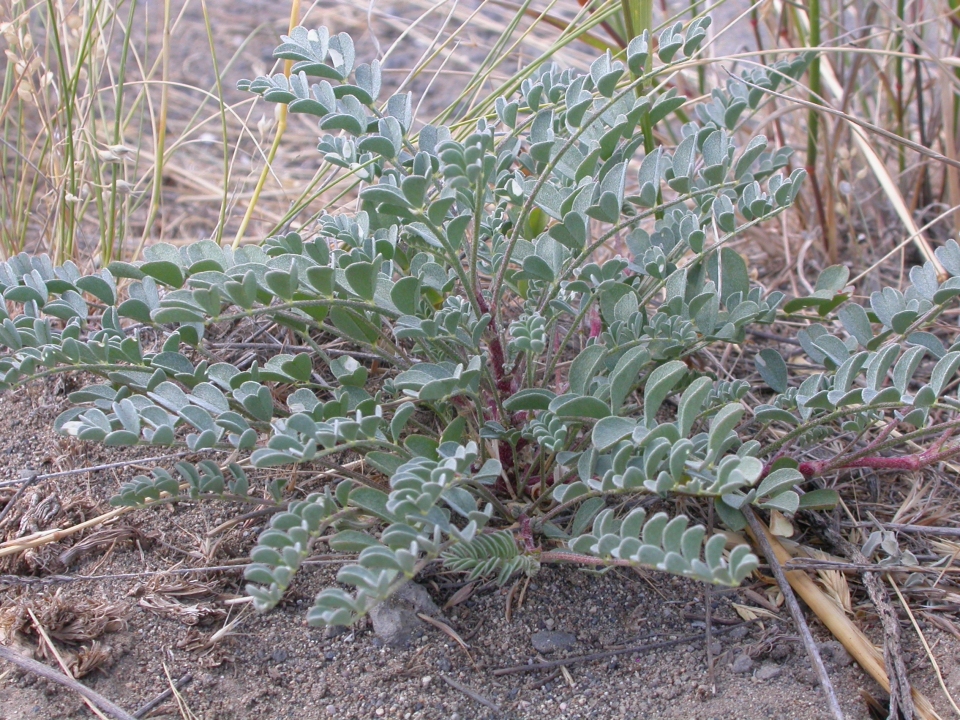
906, 367
787, 502
734, 277
750, 154
624, 375
924, 279
944, 371
659, 385
772, 369
608, 431
779, 480
586, 513
856, 322
721, 426
833, 279
691, 403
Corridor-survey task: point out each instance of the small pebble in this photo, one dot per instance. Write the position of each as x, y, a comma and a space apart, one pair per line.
332, 631
552, 640
781, 651
767, 671
331, 710
835, 652
738, 633
426, 680
549, 623
329, 656
742, 664
279, 655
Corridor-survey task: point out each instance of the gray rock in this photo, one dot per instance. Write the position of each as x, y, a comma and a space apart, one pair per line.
781, 651
743, 663
738, 633
833, 651
548, 641
334, 631
395, 621
767, 671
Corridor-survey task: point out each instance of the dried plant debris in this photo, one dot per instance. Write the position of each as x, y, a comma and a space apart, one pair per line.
65, 618
41, 510
102, 540
90, 657
75, 621
186, 613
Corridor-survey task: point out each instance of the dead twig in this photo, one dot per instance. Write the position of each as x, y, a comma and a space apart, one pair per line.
760, 536
543, 681
163, 697
844, 629
901, 700
919, 529
49, 673
28, 482
926, 646
516, 670
45, 537
236, 567
708, 622
448, 631
107, 466
470, 693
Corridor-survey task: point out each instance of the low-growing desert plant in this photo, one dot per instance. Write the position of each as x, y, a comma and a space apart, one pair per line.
518, 393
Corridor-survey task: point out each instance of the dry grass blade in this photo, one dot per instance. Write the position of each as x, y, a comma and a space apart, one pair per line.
68, 619
844, 630
451, 633
470, 692
926, 646
460, 596
12, 547
185, 712
106, 538
188, 614
835, 584
749, 613
764, 540
901, 701
144, 709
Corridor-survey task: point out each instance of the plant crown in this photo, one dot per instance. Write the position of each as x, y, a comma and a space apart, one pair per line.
515, 398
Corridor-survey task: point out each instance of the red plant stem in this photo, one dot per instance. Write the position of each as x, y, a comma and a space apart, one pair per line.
526, 532
497, 358
906, 463
595, 324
